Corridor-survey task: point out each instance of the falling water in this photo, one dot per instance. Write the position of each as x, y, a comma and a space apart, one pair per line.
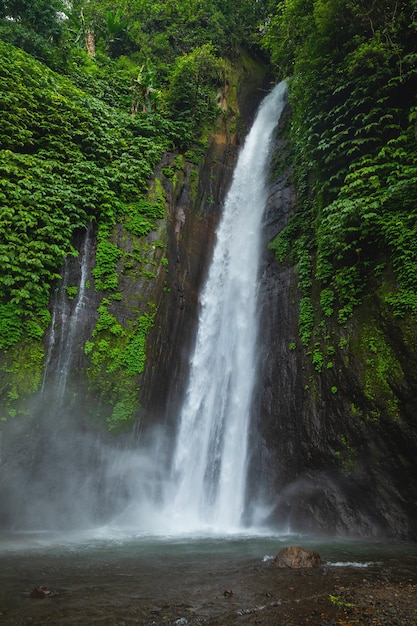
209, 464
69, 321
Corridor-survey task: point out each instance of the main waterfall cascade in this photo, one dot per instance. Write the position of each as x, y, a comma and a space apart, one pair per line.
205, 489
209, 466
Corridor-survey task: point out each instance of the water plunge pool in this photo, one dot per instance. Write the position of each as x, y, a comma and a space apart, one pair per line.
113, 577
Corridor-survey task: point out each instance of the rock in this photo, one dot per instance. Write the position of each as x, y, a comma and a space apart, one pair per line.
42, 592
295, 557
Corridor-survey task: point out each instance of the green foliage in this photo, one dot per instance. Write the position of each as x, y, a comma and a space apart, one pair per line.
35, 228
39, 15
281, 245
306, 322
317, 358
193, 82
105, 273
34, 330
11, 325
144, 89
35, 26
115, 25
65, 159
158, 33
327, 301
338, 601
135, 80
88, 347
140, 217
118, 354
106, 321
72, 291
135, 355
352, 68
121, 416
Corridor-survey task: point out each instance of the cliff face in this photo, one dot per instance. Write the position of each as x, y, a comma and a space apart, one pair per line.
335, 445
54, 444
333, 448
194, 212
193, 215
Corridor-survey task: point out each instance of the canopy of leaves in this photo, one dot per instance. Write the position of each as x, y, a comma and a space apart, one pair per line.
34, 25
191, 86
41, 16
166, 29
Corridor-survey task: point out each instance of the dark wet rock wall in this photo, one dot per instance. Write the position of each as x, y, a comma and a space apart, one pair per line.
330, 455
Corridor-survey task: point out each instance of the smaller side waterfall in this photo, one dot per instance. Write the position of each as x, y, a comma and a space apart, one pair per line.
207, 485
69, 319
62, 482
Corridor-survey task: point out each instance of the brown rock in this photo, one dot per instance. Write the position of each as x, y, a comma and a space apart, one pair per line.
297, 558
42, 592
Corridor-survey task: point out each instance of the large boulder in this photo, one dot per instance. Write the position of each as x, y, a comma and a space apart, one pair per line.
296, 558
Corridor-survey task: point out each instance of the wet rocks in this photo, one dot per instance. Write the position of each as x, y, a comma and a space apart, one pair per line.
42, 592
295, 557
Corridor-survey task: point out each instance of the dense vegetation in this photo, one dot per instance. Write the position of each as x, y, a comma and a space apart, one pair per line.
94, 92
91, 96
353, 89
69, 156
353, 69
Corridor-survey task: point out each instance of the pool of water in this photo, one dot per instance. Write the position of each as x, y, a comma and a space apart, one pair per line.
111, 576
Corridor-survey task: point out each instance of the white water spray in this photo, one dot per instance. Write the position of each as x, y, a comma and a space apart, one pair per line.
207, 486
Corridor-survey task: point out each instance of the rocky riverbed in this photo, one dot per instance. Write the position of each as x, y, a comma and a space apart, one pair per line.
330, 598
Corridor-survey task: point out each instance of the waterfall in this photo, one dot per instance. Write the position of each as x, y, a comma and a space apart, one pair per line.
208, 480
69, 322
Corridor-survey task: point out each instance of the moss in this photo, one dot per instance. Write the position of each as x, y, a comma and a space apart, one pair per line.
22, 376
122, 416
306, 320
346, 454
179, 162
117, 357
283, 158
194, 182
381, 372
